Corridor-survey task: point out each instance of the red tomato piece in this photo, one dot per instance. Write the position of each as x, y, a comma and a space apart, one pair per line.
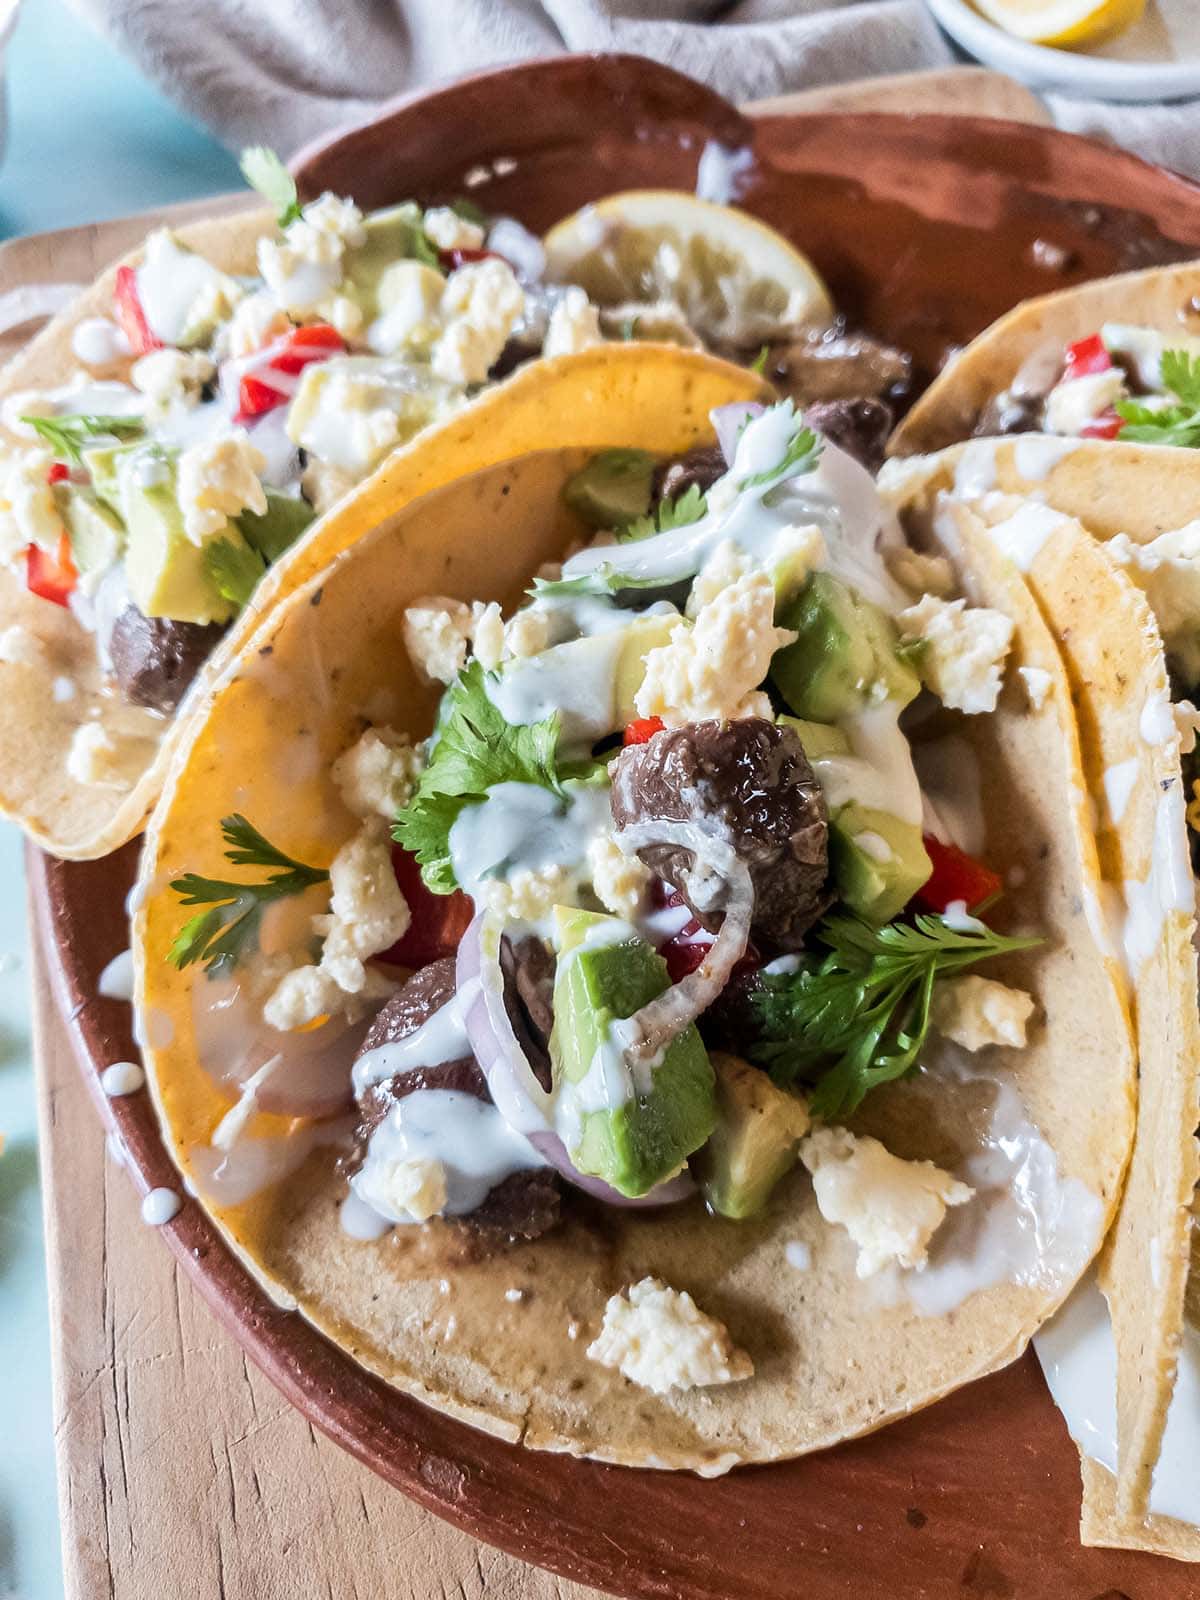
451, 260
1106, 426
642, 730
438, 920
52, 577
130, 315
58, 473
1087, 356
315, 342
955, 876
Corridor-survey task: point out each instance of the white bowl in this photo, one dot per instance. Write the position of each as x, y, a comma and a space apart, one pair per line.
1165, 70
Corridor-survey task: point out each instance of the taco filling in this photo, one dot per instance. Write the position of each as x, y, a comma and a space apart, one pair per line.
685, 895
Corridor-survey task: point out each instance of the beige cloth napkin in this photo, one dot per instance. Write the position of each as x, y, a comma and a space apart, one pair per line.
283, 71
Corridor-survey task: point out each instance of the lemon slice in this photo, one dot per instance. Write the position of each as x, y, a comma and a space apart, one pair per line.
736, 281
1066, 23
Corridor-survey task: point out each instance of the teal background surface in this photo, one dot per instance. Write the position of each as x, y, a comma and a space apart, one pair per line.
88, 139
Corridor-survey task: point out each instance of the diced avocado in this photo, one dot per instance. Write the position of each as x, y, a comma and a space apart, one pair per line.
636, 1139
166, 572
278, 527
846, 653
754, 1143
878, 861
95, 532
103, 462
393, 234
818, 740
636, 642
612, 489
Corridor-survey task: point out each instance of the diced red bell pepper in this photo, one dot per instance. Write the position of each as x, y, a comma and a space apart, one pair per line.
438, 920
451, 260
256, 398
1087, 356
58, 472
955, 876
684, 954
642, 730
1106, 426
130, 315
52, 577
317, 341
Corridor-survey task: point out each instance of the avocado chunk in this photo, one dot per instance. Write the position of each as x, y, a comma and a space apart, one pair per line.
613, 488
845, 655
276, 529
818, 740
168, 575
103, 463
755, 1142
633, 1130
95, 532
393, 234
642, 636
878, 861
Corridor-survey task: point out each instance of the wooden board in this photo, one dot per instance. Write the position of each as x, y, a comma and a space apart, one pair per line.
183, 1473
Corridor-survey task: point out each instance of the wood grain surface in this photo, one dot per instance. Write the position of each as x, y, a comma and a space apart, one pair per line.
183, 1473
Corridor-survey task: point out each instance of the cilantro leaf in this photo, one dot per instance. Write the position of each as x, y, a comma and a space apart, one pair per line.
276, 529
67, 435
681, 512
1177, 425
264, 171
234, 569
801, 455
228, 931
759, 364
860, 1016
603, 581
475, 749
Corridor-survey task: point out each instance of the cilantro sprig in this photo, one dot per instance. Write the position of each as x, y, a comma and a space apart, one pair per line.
66, 435
228, 931
681, 512
234, 569
1177, 424
801, 455
860, 1016
475, 749
264, 171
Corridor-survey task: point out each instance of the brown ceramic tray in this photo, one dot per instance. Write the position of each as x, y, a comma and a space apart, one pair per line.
925, 228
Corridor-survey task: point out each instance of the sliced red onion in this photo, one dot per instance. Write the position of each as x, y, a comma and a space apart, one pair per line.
730, 420
512, 1082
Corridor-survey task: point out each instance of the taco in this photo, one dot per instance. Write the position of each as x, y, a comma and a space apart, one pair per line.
1105, 536
173, 446
557, 953
1113, 359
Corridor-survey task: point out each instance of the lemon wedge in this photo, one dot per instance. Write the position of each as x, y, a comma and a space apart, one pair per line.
1064, 23
735, 281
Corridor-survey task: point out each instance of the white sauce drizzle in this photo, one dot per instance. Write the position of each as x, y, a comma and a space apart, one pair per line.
1035, 455
1022, 535
116, 981
1168, 885
159, 1206
975, 473
121, 1078
1157, 722
98, 342
523, 827
442, 1037
1119, 782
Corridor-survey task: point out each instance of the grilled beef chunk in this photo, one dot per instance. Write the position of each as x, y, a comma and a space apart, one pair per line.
155, 659
752, 781
699, 468
528, 970
859, 427
1009, 413
522, 1206
832, 364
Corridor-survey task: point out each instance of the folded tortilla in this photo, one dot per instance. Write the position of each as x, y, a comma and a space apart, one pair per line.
834, 1356
1071, 496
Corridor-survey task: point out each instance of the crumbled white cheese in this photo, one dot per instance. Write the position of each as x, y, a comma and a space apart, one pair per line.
965, 650
487, 634
331, 215
527, 633
529, 895
170, 375
257, 321
890, 1208
975, 1012
658, 1338
1075, 402
93, 758
725, 565
1167, 570
710, 669
446, 230
1187, 721
304, 268
437, 632
217, 479
410, 298
21, 648
619, 880
921, 574
574, 324
412, 1189
343, 314
375, 777
347, 415
1037, 683
28, 512
481, 304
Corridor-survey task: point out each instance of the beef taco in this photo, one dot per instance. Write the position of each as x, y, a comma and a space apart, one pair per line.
1105, 536
1113, 359
613, 953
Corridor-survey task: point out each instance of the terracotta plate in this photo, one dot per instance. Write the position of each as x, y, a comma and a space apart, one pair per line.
927, 228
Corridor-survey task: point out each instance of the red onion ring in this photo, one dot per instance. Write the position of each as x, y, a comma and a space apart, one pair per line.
729, 421
512, 1082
